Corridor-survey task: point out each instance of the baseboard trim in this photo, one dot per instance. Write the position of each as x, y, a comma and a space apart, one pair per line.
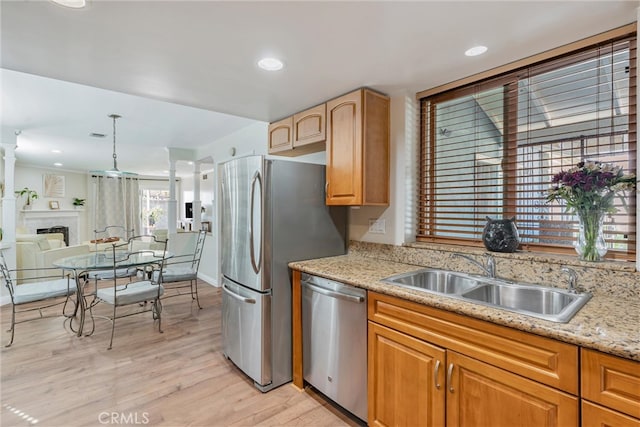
210, 280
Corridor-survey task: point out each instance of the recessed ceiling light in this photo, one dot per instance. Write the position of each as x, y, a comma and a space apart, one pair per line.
476, 50
56, 151
270, 64
57, 164
74, 4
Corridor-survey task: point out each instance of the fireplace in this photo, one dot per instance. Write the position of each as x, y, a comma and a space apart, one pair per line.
33, 221
56, 229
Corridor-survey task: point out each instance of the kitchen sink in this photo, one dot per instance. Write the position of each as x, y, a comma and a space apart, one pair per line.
553, 304
431, 280
547, 303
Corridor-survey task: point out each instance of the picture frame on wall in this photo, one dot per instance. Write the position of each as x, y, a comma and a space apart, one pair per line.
206, 226
53, 204
53, 185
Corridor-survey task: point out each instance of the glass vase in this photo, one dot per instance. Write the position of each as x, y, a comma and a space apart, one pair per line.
590, 245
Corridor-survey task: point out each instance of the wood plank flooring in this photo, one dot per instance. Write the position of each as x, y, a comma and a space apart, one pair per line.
50, 377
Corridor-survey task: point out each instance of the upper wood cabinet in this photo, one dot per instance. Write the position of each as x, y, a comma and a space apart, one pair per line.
358, 149
281, 135
303, 133
309, 127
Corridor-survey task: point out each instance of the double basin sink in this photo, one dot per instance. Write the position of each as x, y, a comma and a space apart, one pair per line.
553, 304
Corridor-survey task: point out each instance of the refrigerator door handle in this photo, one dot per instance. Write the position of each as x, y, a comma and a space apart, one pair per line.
232, 294
256, 266
331, 293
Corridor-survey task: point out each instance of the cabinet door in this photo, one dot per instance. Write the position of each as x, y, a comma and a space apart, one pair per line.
597, 416
479, 394
611, 381
344, 150
405, 381
281, 135
309, 126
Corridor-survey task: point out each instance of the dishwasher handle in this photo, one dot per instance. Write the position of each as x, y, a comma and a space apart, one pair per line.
332, 293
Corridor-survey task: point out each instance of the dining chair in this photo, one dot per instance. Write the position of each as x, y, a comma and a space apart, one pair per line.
183, 266
144, 294
110, 234
43, 288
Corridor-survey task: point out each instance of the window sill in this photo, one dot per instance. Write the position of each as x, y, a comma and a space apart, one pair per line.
538, 257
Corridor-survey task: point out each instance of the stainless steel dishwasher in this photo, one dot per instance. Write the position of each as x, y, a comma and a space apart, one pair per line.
334, 337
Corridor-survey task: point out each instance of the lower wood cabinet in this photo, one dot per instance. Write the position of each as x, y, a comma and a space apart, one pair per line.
431, 367
479, 394
405, 380
610, 390
413, 382
598, 416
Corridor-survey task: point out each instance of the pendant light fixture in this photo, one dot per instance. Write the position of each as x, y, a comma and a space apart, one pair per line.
114, 171
73, 4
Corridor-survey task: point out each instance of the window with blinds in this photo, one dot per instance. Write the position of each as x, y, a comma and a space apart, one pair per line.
491, 148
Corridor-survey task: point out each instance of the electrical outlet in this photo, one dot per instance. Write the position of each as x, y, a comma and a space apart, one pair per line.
377, 226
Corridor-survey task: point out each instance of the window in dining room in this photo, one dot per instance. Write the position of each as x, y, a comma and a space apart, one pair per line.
155, 205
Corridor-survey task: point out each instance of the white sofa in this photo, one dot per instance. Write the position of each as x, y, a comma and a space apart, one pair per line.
41, 250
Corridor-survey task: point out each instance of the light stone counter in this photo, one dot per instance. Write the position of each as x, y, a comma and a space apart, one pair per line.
609, 323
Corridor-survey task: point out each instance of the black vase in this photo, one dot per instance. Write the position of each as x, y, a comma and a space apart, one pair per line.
501, 235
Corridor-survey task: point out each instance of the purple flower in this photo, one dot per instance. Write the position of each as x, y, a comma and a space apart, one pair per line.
590, 184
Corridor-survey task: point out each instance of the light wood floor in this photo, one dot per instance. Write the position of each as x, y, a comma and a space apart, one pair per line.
177, 378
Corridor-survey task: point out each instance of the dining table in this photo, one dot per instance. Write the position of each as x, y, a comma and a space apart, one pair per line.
81, 265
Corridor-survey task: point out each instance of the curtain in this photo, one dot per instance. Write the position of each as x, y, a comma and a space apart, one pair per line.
116, 201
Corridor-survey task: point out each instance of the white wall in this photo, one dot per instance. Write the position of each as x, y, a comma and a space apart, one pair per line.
2, 181
398, 215
76, 185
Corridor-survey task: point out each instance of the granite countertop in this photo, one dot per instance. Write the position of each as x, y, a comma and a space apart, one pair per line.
606, 323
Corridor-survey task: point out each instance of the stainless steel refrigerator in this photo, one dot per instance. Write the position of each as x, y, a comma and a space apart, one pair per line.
272, 212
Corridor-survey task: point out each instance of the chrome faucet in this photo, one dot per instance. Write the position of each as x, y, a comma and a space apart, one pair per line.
573, 278
490, 267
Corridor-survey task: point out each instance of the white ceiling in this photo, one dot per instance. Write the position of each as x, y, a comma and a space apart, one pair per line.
188, 67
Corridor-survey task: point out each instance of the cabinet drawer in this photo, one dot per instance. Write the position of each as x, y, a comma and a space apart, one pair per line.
597, 416
611, 381
542, 359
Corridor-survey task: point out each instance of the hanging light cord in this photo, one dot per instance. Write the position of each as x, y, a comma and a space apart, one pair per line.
115, 162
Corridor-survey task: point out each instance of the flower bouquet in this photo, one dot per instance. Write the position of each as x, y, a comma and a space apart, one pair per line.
589, 189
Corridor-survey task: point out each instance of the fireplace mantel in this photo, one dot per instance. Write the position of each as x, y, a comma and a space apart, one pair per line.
49, 212
46, 218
